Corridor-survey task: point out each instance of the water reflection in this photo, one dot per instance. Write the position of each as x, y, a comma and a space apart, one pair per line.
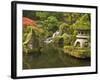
52, 57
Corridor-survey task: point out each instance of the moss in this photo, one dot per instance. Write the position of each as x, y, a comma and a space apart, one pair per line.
77, 51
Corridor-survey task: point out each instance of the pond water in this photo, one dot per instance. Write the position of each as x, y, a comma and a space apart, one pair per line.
52, 57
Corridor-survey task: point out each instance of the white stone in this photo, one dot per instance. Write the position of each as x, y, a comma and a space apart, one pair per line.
81, 42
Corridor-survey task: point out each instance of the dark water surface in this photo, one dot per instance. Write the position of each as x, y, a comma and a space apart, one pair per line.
51, 57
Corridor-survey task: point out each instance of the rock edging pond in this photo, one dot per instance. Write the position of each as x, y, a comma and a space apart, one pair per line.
77, 52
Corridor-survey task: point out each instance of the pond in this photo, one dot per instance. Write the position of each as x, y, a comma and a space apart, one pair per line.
52, 57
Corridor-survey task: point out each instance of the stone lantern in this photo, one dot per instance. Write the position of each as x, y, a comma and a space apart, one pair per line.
82, 38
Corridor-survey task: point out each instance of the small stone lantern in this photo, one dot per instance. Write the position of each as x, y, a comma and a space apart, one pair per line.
82, 38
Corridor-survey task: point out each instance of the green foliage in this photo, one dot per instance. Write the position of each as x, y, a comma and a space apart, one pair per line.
48, 23
29, 14
70, 18
27, 34
64, 28
51, 23
56, 40
32, 37
83, 22
66, 38
73, 37
42, 15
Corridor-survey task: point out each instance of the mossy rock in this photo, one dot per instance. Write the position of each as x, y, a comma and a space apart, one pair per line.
77, 52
